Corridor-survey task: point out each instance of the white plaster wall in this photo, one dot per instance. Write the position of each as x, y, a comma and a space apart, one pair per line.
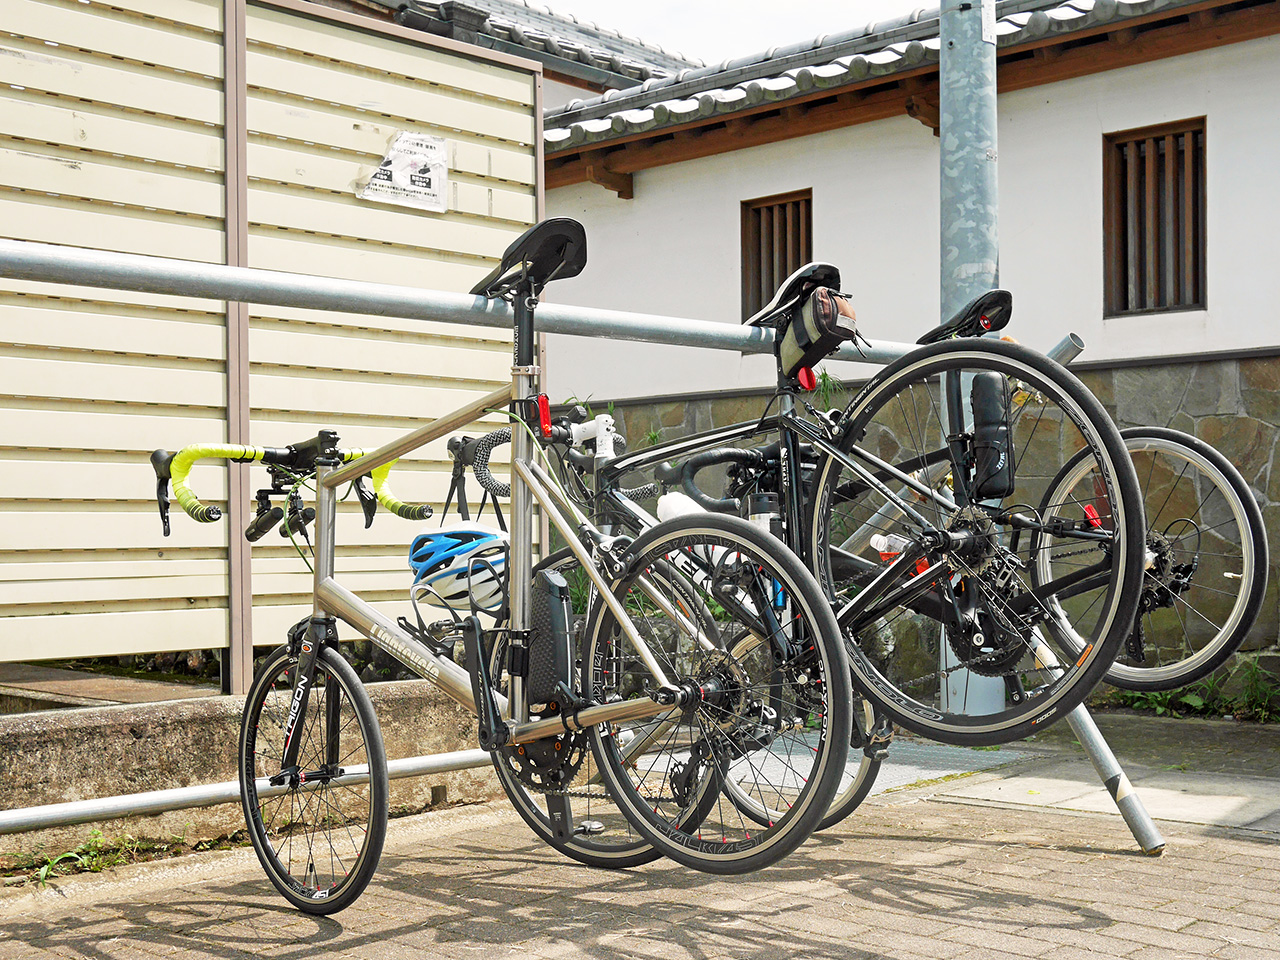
557, 94
674, 249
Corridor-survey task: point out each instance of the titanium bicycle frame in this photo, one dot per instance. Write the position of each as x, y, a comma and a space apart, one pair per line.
530, 484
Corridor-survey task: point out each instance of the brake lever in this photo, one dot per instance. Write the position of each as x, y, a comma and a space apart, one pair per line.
368, 501
162, 500
161, 461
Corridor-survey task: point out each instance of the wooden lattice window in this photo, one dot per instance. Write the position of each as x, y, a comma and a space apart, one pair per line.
777, 239
1154, 213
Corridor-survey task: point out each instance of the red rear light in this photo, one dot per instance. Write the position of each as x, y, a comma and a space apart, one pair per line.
544, 416
986, 323
808, 382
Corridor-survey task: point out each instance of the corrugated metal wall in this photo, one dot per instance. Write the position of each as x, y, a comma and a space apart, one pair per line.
111, 137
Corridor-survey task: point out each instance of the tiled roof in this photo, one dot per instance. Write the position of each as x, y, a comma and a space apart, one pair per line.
830, 61
564, 37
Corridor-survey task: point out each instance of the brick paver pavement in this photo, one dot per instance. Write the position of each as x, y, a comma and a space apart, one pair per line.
906, 877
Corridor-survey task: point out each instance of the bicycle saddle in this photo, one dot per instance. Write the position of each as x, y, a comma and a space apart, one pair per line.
794, 289
551, 250
985, 313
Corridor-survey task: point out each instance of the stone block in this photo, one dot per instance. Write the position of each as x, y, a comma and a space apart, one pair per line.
1149, 396
1246, 442
737, 409
1211, 388
670, 414
1101, 383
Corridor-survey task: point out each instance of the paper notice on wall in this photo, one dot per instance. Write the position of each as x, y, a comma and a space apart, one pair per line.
988, 21
414, 173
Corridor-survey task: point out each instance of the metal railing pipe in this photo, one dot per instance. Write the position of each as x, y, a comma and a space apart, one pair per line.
50, 263
208, 795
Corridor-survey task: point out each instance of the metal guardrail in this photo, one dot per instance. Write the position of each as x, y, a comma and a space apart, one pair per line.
186, 798
48, 263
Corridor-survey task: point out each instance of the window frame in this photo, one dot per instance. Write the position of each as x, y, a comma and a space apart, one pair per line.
1131, 274
798, 247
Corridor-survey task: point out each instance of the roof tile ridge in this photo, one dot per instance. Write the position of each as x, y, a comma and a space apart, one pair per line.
760, 66
605, 31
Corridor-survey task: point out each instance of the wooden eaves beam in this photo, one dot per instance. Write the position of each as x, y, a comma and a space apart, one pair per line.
597, 169
1199, 27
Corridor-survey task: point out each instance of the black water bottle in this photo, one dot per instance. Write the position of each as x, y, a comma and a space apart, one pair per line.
993, 476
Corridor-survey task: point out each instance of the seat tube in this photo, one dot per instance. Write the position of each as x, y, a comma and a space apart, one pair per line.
791, 479
520, 566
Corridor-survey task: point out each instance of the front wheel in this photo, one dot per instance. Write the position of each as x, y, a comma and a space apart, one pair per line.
318, 833
1206, 568
744, 767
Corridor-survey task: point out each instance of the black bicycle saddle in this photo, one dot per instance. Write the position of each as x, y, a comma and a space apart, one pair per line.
985, 313
794, 289
551, 250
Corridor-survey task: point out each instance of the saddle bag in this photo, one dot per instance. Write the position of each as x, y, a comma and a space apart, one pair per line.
816, 330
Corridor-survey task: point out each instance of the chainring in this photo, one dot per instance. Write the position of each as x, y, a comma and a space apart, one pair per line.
548, 765
1002, 647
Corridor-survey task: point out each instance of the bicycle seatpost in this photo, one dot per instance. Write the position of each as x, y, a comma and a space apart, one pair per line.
524, 374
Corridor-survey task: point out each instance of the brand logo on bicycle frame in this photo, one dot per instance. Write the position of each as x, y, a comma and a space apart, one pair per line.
298, 693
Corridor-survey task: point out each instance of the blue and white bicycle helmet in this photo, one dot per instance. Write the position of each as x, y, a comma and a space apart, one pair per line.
441, 560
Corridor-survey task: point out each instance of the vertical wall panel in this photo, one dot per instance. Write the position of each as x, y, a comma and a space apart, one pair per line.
111, 136
323, 105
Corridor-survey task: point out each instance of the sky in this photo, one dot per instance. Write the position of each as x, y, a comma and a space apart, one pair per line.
715, 30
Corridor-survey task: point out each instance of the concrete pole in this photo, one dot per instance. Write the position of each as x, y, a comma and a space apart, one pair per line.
970, 242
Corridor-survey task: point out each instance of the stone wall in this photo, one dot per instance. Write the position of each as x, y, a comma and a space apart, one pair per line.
1234, 405
58, 756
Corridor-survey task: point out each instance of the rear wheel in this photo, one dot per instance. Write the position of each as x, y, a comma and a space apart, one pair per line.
746, 766
860, 770
318, 833
935, 567
554, 784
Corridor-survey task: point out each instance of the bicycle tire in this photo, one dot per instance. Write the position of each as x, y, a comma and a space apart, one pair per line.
1186, 626
921, 676
860, 770
345, 732
745, 720
593, 832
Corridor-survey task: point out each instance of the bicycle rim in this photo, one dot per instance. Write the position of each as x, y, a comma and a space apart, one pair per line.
856, 781
769, 724
319, 840
1206, 569
977, 651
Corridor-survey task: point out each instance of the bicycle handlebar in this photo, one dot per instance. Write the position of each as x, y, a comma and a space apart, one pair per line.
176, 467
708, 458
480, 464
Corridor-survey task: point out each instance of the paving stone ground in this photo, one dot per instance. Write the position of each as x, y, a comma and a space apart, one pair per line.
917, 873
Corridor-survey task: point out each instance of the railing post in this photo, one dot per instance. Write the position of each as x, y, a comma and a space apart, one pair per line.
237, 664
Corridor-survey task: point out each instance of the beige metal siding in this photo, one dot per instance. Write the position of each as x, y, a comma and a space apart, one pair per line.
323, 105
111, 136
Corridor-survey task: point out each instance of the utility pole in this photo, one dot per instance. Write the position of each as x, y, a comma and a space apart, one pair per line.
970, 253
